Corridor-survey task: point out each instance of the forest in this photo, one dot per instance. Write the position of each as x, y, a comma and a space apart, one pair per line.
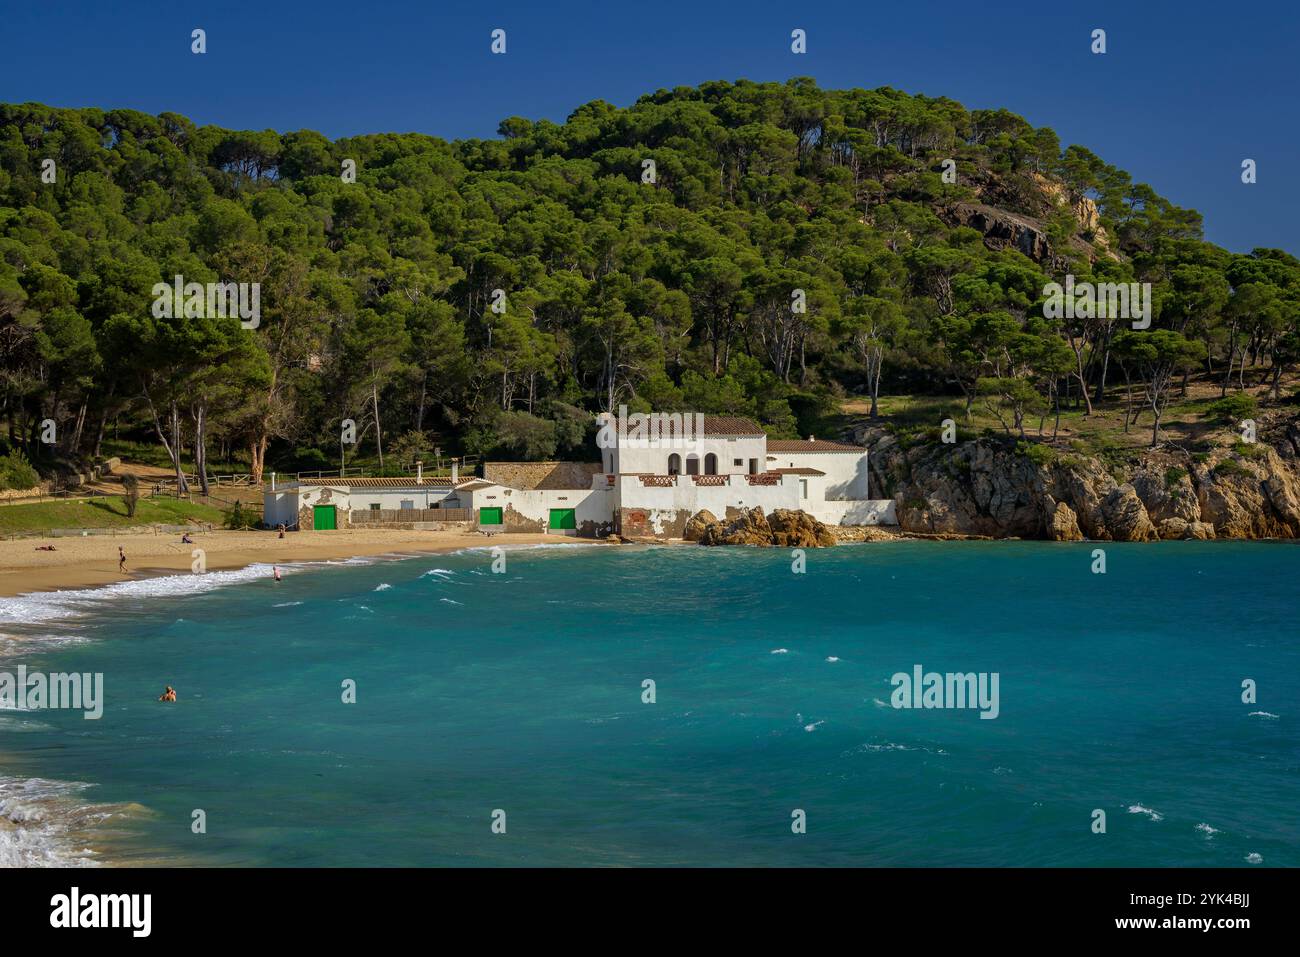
756, 249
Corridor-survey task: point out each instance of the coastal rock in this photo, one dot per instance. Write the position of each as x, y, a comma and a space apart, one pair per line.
797, 529
748, 528
1063, 524
1126, 518
1174, 529
697, 524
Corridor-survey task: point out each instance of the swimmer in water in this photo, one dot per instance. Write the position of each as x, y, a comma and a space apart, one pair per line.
168, 695
276, 570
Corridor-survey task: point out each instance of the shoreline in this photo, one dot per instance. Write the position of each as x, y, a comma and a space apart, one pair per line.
91, 562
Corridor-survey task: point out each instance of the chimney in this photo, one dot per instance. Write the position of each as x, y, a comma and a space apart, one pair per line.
419, 473
455, 472
812, 438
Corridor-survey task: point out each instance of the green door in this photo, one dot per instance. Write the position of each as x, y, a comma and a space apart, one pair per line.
489, 516
322, 518
563, 518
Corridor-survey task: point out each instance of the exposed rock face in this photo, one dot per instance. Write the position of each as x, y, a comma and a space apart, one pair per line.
786, 528
796, 529
1126, 517
1063, 525
1178, 528
749, 528
697, 524
984, 487
1002, 229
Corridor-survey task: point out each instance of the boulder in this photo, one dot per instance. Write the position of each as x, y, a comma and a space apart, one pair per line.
793, 528
697, 524
1177, 529
1063, 524
1126, 517
748, 528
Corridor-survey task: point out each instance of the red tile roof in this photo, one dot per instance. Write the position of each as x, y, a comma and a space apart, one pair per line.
810, 445
801, 470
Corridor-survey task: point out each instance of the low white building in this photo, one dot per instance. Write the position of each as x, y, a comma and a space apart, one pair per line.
640, 488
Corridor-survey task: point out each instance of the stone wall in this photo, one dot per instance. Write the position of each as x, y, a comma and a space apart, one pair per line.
541, 475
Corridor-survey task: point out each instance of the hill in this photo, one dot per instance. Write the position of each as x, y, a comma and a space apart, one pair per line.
770, 250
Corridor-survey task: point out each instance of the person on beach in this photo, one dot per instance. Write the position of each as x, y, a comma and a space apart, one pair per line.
276, 570
121, 559
46, 548
186, 540
168, 695
281, 530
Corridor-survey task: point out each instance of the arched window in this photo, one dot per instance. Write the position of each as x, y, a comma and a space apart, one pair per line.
692, 465
710, 464
674, 464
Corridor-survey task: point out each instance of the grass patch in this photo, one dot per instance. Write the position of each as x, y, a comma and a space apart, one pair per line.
102, 513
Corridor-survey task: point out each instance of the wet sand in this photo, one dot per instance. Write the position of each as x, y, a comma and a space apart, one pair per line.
92, 561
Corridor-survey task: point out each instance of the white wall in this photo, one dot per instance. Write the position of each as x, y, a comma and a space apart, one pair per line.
589, 505
422, 497
846, 473
280, 507
655, 460
686, 495
878, 511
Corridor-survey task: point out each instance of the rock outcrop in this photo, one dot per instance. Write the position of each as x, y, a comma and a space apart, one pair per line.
787, 528
797, 529
698, 522
990, 487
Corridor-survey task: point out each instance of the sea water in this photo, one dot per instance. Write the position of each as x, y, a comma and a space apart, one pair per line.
503, 715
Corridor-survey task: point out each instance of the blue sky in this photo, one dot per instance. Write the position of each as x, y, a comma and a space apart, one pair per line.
1185, 92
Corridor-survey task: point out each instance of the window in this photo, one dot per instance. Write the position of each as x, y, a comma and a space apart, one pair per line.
753, 466
692, 465
803, 488
710, 464
374, 506
408, 503
674, 464
737, 462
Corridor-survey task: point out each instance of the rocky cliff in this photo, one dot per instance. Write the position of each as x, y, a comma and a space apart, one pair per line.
987, 487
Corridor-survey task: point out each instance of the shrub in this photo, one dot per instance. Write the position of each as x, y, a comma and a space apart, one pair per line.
236, 518
1174, 476
1040, 455
1233, 408
130, 493
1229, 467
16, 472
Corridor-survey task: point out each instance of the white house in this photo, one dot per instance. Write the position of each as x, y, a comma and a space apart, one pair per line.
646, 485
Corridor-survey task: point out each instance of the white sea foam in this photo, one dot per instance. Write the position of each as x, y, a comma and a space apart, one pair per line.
383, 586
450, 602
1254, 858
832, 658
879, 704
440, 572
1207, 830
1263, 714
40, 823
286, 604
814, 726
1139, 809
37, 607
780, 651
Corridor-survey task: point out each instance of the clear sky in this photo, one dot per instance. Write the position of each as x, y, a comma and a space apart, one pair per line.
1186, 91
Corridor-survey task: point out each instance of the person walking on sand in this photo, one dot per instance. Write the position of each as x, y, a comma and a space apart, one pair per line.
281, 530
121, 560
168, 695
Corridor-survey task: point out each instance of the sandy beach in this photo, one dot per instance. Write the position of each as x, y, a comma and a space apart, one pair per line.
91, 561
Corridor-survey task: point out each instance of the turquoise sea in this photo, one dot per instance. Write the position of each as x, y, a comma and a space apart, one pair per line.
522, 692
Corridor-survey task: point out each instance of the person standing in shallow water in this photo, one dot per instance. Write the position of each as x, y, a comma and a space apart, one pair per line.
168, 695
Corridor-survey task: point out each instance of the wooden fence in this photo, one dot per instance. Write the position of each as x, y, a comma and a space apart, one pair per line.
387, 516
